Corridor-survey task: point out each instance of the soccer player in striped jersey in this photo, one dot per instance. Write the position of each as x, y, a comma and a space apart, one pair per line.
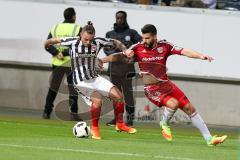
151, 56
87, 81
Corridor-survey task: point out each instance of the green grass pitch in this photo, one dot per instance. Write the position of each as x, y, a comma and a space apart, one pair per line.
36, 139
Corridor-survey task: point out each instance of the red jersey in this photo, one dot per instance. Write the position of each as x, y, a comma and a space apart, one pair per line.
154, 60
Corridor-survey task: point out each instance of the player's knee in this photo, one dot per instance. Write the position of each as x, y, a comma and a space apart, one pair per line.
189, 109
97, 103
118, 96
173, 104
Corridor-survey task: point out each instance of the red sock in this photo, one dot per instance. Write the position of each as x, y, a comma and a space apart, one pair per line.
95, 114
118, 111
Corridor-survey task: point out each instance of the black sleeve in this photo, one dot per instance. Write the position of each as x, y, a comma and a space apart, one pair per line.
105, 50
66, 52
107, 35
108, 50
136, 37
52, 50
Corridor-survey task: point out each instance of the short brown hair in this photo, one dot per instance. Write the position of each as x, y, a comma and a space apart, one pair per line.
149, 28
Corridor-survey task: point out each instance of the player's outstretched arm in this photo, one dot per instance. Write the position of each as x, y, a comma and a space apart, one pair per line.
113, 58
129, 53
119, 45
51, 41
193, 54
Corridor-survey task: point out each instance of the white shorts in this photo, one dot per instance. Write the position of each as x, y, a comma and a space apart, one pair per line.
99, 84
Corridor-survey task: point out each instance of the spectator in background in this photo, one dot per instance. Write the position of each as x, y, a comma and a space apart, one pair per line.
143, 2
193, 4
166, 2
154, 2
210, 4
61, 64
128, 1
121, 73
147, 2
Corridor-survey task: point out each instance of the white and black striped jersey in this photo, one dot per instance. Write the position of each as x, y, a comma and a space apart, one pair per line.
84, 61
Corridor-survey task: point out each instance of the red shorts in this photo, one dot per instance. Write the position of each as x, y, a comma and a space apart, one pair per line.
160, 93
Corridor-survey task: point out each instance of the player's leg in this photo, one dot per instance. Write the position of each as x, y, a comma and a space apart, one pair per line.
196, 119
185, 105
160, 95
116, 80
55, 81
117, 97
171, 106
89, 89
96, 99
106, 88
171, 101
198, 122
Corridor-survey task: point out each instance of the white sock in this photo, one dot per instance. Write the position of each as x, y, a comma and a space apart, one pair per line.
198, 122
167, 114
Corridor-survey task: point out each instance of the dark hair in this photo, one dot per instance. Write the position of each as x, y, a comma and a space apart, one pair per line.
69, 13
89, 28
123, 12
149, 28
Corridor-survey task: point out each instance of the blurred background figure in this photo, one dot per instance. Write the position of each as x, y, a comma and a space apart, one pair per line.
210, 4
121, 73
61, 64
143, 1
232, 5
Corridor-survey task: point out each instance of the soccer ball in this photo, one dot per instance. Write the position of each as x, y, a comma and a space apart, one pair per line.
81, 130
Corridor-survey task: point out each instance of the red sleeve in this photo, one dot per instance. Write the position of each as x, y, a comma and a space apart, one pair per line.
134, 48
173, 49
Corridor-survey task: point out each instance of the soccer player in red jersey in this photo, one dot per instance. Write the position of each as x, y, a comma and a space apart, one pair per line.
151, 56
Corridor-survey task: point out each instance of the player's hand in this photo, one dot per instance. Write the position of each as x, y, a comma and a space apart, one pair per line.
206, 57
100, 64
128, 53
60, 56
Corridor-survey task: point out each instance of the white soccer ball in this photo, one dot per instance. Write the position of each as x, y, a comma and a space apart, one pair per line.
81, 130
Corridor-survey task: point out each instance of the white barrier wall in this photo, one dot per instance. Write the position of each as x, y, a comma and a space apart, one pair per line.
25, 25
26, 88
